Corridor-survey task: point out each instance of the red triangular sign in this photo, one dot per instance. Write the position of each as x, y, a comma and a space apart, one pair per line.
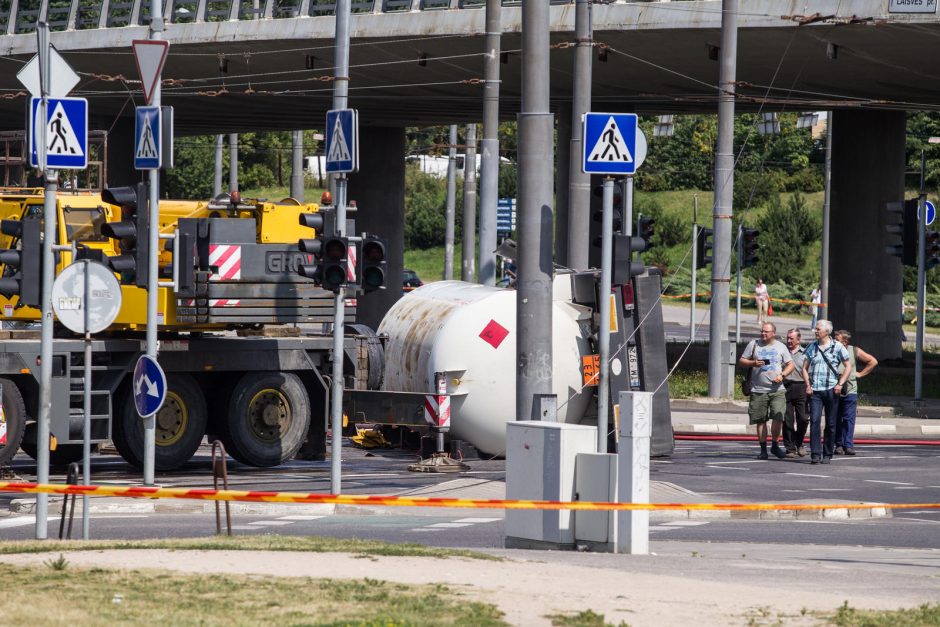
150, 55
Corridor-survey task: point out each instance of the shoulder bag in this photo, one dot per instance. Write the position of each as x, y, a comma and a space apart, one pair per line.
746, 380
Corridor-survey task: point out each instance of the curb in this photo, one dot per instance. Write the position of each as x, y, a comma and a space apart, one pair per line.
876, 510
910, 409
738, 428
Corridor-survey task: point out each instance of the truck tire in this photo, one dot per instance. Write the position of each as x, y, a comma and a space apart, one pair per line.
181, 423
12, 422
376, 354
268, 418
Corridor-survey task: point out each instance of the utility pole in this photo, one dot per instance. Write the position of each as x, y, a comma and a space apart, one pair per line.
297, 166
217, 179
827, 175
536, 165
921, 282
233, 162
340, 101
718, 347
153, 236
468, 271
579, 183
489, 146
451, 208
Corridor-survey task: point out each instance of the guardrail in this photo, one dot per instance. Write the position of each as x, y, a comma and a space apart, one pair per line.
21, 16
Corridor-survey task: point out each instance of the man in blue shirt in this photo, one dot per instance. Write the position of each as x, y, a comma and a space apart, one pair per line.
823, 387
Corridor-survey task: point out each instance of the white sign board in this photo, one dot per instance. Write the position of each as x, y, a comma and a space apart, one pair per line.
912, 6
61, 81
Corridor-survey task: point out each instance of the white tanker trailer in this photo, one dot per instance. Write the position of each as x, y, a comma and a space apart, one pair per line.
468, 332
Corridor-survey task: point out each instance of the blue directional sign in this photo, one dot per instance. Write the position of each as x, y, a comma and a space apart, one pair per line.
505, 216
931, 213
342, 140
609, 141
149, 386
66, 133
147, 135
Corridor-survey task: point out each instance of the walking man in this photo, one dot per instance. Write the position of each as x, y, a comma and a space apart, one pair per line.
795, 422
823, 387
769, 362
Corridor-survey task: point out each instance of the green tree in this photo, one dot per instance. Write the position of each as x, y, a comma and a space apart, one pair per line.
785, 234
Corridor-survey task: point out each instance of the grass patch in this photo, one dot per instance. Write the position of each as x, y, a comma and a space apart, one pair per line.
101, 597
312, 544
587, 618
276, 193
927, 614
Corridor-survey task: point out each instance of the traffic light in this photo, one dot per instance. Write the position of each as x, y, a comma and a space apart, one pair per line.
334, 263
623, 266
324, 223
644, 229
22, 266
131, 232
373, 265
932, 251
703, 252
749, 244
617, 206
906, 229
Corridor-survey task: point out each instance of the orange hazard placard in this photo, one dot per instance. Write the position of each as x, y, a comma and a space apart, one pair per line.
590, 369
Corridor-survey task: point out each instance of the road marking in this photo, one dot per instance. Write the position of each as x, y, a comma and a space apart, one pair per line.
906, 487
299, 517
742, 461
923, 520
660, 528
805, 474
265, 523
426, 529
448, 525
886, 482
925, 511
820, 490
20, 521
725, 467
477, 520
685, 523
245, 528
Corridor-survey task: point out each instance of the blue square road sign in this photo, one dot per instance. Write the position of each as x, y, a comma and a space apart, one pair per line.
609, 143
66, 126
342, 140
147, 138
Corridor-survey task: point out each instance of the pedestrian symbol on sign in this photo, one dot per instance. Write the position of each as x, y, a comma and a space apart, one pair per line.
339, 148
146, 147
147, 138
610, 145
63, 140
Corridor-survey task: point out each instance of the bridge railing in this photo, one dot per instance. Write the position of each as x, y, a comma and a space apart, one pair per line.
21, 16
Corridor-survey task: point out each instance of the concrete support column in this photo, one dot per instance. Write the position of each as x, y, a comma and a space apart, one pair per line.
379, 191
865, 282
562, 159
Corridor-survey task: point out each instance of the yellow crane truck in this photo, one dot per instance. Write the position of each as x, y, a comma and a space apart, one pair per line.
237, 264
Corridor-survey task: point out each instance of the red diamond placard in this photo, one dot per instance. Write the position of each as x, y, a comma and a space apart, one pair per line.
494, 333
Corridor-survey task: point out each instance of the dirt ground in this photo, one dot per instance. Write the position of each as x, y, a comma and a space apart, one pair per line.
529, 590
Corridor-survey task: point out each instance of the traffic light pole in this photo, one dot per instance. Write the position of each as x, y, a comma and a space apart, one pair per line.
153, 238
603, 335
340, 100
48, 275
737, 300
694, 281
921, 270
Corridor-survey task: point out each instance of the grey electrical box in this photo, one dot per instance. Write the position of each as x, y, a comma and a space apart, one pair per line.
540, 465
596, 481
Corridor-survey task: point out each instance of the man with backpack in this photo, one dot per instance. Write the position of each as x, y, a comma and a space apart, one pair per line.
824, 385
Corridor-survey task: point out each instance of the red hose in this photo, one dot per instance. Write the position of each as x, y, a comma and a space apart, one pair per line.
752, 438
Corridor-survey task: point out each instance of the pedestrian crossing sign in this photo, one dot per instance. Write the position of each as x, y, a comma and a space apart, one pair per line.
147, 144
609, 143
342, 140
66, 133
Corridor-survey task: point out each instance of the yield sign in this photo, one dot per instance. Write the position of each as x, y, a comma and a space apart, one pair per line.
150, 55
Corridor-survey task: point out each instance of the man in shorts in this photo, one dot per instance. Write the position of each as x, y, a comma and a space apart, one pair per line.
769, 362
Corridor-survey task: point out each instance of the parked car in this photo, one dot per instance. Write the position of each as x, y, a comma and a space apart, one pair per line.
411, 280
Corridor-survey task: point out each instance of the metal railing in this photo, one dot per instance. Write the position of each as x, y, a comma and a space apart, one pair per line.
21, 16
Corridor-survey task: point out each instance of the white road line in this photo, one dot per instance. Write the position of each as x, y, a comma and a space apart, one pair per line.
725, 467
743, 461
244, 528
923, 520
820, 490
477, 520
685, 523
805, 474
425, 529
936, 487
925, 511
906, 487
448, 525
886, 482
19, 521
299, 517
660, 528
266, 523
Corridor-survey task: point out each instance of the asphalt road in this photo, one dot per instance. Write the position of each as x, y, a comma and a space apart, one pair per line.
721, 471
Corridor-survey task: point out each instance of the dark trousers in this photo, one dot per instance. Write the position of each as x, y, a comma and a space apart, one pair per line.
828, 401
846, 435
795, 421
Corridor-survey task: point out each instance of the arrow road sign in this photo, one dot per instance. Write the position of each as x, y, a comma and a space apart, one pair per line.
931, 213
610, 143
342, 140
149, 386
150, 55
66, 133
62, 80
147, 138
